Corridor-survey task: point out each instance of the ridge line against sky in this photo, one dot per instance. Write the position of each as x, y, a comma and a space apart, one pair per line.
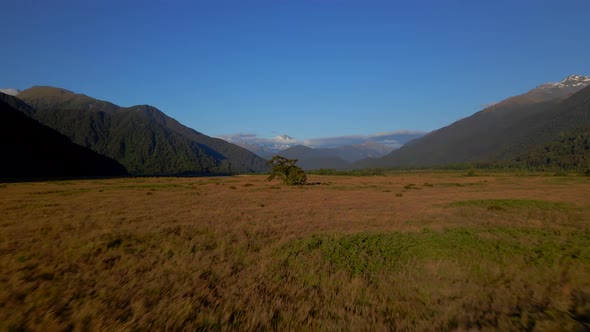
306, 69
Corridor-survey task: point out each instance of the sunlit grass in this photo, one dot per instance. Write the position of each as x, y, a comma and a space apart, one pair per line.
241, 253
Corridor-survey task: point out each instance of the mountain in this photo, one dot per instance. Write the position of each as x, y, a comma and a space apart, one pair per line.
142, 138
46, 97
502, 131
32, 150
565, 87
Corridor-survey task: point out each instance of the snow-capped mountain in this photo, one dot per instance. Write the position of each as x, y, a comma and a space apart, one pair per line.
284, 138
10, 91
550, 91
264, 147
572, 81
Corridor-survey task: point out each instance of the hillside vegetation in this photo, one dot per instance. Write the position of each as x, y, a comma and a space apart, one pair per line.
142, 138
570, 152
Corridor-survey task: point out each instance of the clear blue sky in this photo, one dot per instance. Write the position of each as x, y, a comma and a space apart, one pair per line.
303, 68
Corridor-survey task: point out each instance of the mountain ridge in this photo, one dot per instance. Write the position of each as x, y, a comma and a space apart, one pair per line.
144, 139
500, 131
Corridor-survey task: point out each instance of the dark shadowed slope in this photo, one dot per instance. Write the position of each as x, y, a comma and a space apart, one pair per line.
17, 104
32, 150
142, 138
502, 131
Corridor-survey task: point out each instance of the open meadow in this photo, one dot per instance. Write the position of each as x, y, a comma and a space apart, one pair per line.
404, 251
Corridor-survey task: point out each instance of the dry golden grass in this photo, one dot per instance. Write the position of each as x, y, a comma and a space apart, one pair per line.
407, 251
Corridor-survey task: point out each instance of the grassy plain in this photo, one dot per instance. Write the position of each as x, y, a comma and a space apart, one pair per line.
405, 251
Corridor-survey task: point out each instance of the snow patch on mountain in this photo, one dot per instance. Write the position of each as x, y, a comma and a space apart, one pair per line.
10, 91
572, 81
285, 139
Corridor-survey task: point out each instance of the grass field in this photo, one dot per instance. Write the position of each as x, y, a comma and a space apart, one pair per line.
406, 251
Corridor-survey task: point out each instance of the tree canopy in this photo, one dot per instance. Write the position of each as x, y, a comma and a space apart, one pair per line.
286, 170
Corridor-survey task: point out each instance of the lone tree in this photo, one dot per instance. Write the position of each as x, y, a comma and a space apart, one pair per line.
286, 170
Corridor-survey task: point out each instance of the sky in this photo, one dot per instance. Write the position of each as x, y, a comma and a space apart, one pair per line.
304, 68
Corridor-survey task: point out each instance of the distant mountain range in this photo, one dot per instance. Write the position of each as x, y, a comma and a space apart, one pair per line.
505, 131
32, 150
142, 138
265, 148
338, 158
328, 152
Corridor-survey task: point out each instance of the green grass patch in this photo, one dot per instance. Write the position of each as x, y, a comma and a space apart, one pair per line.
474, 248
507, 204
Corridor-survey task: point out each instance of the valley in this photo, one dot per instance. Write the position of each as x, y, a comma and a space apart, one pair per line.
295, 166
